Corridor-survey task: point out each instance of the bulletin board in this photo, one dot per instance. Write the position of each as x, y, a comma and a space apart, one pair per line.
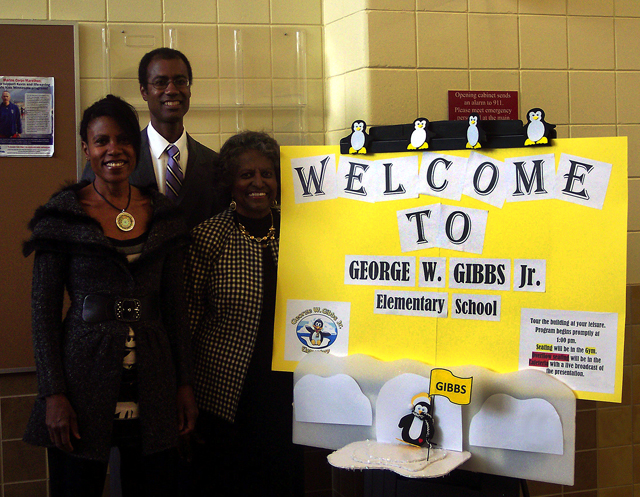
543, 287
42, 50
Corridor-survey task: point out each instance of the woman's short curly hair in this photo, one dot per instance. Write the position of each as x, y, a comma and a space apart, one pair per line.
120, 111
230, 154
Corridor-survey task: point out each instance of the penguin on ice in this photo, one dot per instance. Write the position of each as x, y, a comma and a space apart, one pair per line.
537, 128
473, 132
358, 138
316, 334
419, 135
417, 426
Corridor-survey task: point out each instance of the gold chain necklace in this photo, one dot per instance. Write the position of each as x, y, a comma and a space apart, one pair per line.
271, 234
124, 220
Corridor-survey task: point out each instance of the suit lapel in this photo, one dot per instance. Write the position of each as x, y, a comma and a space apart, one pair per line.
192, 169
144, 175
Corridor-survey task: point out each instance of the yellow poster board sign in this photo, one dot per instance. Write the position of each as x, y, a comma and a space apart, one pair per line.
502, 258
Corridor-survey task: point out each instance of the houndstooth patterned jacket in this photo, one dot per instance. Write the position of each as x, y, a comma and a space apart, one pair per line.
223, 280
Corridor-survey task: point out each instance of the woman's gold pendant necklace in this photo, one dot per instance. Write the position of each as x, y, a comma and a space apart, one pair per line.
124, 221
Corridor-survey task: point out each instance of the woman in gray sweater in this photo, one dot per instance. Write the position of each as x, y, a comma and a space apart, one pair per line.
116, 370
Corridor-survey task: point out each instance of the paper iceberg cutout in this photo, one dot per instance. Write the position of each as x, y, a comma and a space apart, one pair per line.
504, 422
334, 400
361, 446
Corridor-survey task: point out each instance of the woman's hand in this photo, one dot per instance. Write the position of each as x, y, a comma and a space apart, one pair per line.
187, 410
61, 421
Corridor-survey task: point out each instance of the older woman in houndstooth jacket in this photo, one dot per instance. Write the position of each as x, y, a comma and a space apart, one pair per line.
230, 273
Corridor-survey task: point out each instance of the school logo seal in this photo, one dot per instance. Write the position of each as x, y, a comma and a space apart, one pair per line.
317, 331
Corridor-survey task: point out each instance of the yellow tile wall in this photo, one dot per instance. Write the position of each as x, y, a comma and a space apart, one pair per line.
542, 7
590, 42
269, 86
543, 42
274, 98
442, 51
577, 59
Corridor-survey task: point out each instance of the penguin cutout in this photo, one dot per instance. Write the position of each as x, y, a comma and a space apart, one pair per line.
316, 335
417, 426
358, 138
419, 136
537, 129
475, 134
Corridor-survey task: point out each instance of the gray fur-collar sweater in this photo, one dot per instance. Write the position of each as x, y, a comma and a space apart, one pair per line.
84, 360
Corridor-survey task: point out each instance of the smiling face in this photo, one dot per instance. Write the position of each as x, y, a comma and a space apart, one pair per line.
255, 185
171, 104
109, 151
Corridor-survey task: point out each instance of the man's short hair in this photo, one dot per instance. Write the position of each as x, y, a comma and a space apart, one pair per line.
163, 53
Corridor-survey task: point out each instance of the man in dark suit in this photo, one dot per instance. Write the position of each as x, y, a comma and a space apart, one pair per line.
165, 79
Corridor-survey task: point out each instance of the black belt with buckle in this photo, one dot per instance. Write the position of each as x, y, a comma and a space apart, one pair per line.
97, 308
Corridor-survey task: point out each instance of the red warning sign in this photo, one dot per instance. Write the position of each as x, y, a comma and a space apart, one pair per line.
490, 105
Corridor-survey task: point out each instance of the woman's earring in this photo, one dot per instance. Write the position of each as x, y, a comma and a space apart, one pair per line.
232, 205
274, 204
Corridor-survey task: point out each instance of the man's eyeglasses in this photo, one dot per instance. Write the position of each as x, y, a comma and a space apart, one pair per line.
161, 84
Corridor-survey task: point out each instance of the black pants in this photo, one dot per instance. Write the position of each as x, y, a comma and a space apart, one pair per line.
241, 459
152, 475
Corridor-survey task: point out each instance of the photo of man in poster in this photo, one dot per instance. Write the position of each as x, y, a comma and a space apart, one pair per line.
10, 123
